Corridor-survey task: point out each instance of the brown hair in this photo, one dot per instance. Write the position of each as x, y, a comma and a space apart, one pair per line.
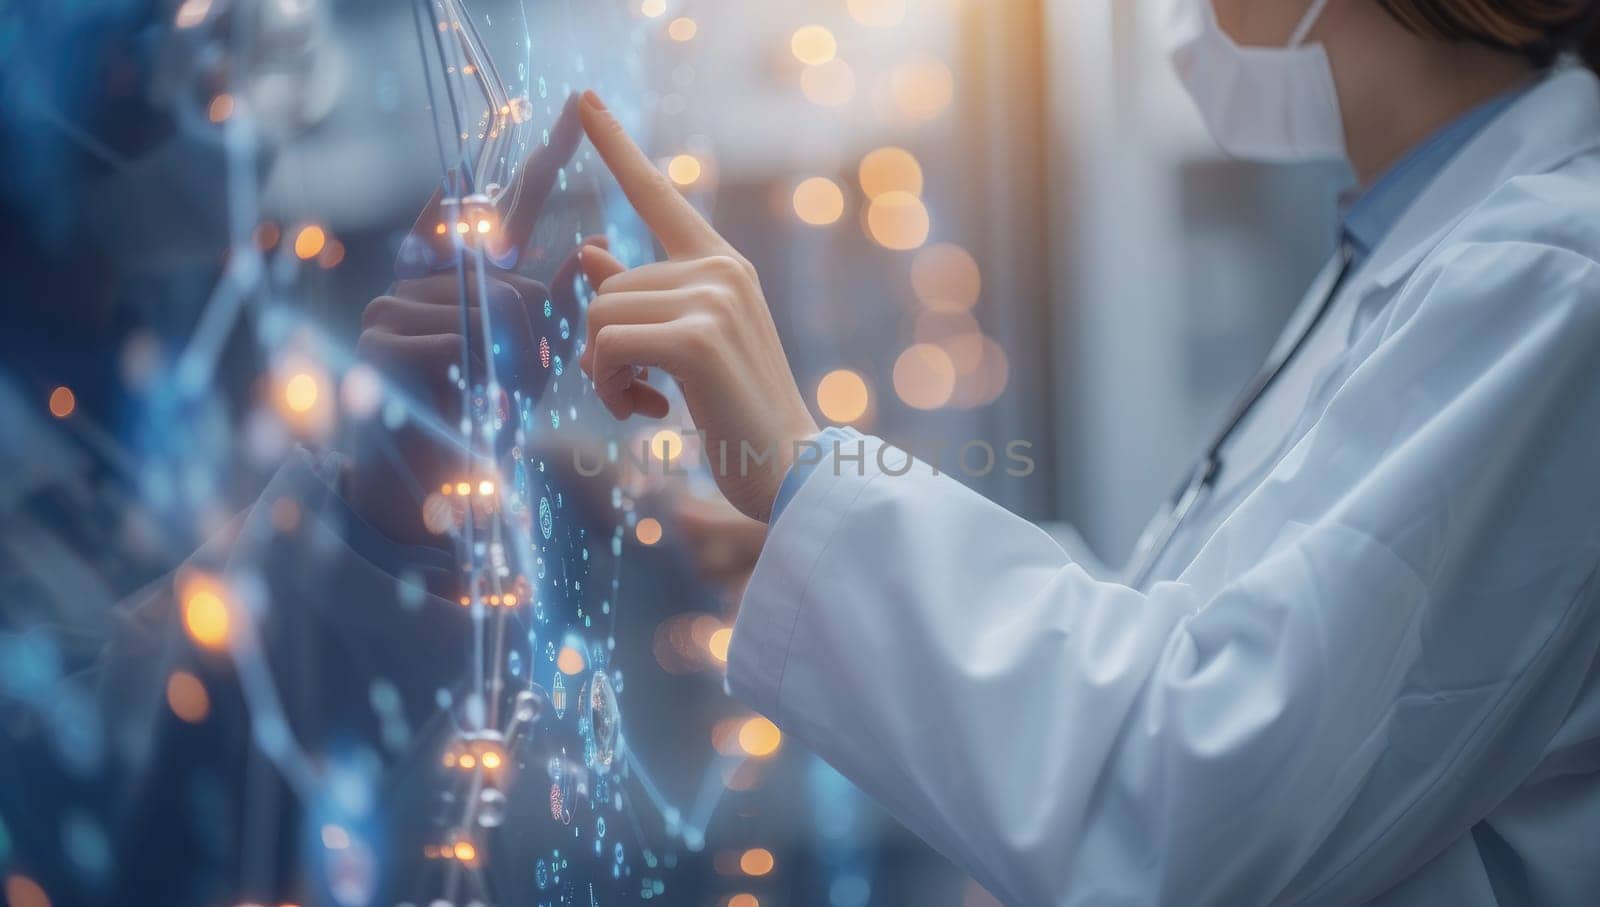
1540, 30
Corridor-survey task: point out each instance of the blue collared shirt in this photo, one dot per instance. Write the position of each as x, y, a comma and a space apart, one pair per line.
1368, 216
827, 439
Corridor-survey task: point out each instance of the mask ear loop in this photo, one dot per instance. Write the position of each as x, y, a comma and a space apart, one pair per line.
1307, 22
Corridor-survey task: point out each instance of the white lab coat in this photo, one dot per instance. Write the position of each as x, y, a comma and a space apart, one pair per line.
1376, 679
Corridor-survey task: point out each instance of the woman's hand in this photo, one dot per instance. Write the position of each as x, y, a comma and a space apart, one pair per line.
413, 335
702, 318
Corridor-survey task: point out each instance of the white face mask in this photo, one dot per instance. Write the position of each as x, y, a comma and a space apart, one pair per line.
1260, 103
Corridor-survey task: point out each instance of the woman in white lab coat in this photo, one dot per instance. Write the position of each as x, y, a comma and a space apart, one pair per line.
1362, 664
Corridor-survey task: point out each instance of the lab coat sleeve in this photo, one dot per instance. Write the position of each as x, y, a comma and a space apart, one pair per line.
1365, 657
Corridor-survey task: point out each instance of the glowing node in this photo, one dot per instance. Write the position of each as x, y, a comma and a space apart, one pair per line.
467, 761
890, 169
685, 169
813, 45
485, 488
440, 229
300, 392
842, 396
206, 618
648, 532
718, 644
465, 852
924, 376
491, 760
759, 737
187, 697
682, 29
898, 221
484, 226
757, 861
63, 402
309, 242
463, 488
462, 227
818, 201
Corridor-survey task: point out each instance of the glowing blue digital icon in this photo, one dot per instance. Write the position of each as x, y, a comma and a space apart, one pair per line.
558, 696
604, 719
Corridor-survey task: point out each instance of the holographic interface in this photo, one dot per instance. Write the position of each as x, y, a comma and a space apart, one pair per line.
395, 677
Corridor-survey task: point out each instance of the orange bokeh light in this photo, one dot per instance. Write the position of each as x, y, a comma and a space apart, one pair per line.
718, 644
842, 396
648, 531
570, 661
63, 402
757, 861
205, 615
187, 698
309, 241
759, 737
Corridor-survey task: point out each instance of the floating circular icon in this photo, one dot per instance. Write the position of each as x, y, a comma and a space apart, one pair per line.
604, 719
528, 706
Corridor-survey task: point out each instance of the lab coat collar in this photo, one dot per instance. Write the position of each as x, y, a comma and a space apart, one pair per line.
1556, 120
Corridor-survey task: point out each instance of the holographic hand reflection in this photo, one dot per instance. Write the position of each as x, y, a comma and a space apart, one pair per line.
456, 264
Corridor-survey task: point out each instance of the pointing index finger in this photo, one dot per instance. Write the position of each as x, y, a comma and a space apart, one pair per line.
681, 229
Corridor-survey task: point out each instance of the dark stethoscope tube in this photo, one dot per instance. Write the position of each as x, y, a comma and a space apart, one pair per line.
1153, 543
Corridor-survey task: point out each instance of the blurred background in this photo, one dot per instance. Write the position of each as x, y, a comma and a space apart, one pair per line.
984, 220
